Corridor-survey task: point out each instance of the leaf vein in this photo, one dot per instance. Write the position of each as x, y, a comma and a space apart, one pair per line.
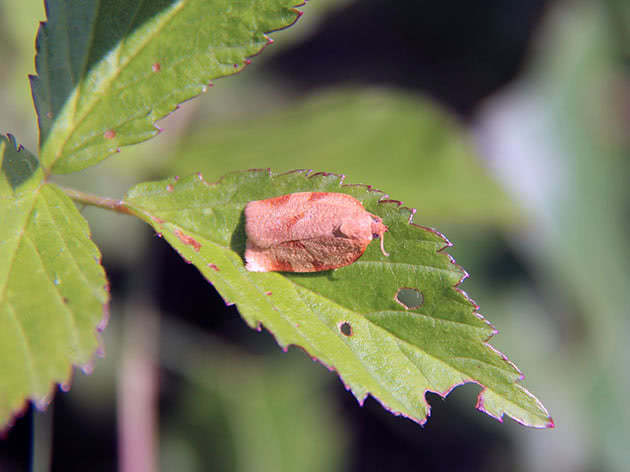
78, 267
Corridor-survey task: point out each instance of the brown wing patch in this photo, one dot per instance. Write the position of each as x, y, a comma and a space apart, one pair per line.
278, 201
313, 255
314, 196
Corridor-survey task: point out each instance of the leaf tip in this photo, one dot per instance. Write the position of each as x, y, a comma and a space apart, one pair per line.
540, 419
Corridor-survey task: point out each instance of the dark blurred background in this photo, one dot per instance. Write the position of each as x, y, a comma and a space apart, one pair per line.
506, 124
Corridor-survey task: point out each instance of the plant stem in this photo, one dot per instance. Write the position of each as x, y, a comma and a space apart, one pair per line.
42, 439
138, 388
95, 200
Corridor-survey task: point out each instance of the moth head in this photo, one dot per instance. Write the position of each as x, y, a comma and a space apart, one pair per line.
378, 230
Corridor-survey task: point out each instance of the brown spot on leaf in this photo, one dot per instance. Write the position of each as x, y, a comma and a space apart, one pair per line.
169, 188
156, 67
268, 293
109, 134
345, 328
189, 240
214, 267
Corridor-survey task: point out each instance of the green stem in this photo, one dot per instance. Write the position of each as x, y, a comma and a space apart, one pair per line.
94, 200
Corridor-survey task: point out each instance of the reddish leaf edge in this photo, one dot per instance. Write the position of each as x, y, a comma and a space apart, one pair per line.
246, 62
384, 199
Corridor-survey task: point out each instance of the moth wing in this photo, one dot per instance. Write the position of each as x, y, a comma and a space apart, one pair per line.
270, 222
267, 224
323, 218
309, 255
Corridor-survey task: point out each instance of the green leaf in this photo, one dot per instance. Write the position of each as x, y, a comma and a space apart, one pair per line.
348, 318
52, 286
107, 71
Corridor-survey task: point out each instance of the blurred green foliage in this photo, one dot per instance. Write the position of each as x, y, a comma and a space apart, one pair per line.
247, 413
398, 142
559, 140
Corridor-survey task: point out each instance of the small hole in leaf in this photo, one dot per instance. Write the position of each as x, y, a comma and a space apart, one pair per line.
345, 328
410, 298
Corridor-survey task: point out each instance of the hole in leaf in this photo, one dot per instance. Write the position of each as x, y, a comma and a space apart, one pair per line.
345, 328
410, 298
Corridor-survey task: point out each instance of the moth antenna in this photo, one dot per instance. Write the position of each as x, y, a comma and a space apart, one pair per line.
385, 253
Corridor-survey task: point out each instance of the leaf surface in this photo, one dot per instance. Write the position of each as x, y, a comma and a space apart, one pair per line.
52, 285
351, 319
107, 71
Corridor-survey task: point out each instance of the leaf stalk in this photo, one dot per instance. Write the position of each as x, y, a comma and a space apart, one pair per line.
95, 200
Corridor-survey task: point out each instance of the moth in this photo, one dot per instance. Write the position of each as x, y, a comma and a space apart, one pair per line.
308, 232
